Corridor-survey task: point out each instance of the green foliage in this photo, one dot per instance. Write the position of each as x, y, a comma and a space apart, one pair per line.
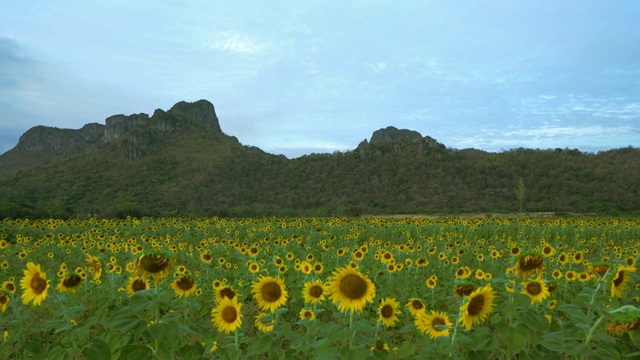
196, 171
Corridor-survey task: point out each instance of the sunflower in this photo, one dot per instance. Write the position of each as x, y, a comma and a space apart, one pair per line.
431, 282
536, 289
227, 316
206, 257
422, 262
600, 269
216, 284
463, 289
136, 284
548, 250
350, 290
380, 346
9, 285
95, 266
478, 306
529, 263
35, 284
621, 280
307, 314
253, 266
69, 283
185, 285
389, 310
415, 306
155, 262
306, 267
264, 322
4, 300
433, 324
314, 292
270, 293
570, 275
585, 276
225, 291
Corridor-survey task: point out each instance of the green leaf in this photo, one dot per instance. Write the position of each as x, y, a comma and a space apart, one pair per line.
98, 349
553, 341
140, 354
58, 352
482, 338
122, 321
165, 332
607, 351
364, 325
260, 346
193, 351
410, 327
574, 348
281, 311
574, 312
633, 355
533, 320
407, 349
517, 340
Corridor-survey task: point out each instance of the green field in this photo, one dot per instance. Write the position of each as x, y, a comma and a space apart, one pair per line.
473, 288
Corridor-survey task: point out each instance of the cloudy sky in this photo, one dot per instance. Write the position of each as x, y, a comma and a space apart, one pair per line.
296, 77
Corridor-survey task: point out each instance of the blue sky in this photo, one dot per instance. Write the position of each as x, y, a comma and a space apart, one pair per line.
296, 77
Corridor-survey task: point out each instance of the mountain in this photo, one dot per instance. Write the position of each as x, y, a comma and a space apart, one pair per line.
179, 162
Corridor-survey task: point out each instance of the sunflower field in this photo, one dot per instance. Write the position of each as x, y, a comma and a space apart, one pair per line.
320, 288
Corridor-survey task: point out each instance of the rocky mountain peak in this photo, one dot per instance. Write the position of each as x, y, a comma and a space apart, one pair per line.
202, 110
391, 133
392, 139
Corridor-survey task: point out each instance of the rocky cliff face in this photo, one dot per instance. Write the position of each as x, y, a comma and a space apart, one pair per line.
395, 140
42, 144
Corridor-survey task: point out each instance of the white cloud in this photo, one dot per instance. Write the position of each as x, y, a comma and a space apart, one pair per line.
574, 131
233, 42
379, 66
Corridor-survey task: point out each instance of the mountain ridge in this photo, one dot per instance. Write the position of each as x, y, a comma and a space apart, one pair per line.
180, 162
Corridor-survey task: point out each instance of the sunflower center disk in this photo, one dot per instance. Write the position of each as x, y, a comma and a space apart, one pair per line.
228, 293
71, 281
153, 264
533, 288
619, 278
417, 305
475, 305
229, 314
271, 292
386, 311
3, 299
437, 321
185, 283
38, 284
138, 285
315, 291
353, 286
530, 262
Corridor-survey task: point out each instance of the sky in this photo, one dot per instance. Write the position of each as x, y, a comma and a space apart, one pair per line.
301, 77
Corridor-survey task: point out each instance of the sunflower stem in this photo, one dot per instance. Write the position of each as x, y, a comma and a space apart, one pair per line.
455, 328
157, 304
351, 330
236, 335
375, 337
185, 308
590, 333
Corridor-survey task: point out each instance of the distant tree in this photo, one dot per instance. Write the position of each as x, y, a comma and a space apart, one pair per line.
520, 192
